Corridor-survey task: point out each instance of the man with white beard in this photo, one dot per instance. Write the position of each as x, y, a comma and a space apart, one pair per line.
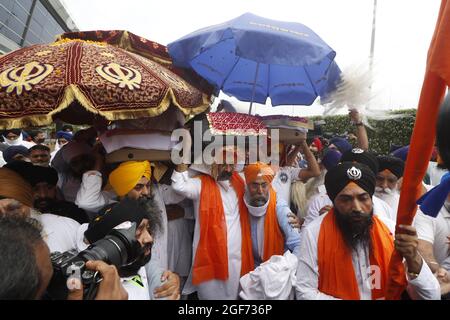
389, 172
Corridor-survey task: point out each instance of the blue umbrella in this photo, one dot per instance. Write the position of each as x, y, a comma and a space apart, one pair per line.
252, 58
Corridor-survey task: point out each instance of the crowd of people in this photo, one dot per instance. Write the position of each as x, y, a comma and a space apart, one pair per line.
320, 225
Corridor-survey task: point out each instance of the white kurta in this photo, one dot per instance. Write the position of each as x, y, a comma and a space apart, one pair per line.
392, 200
435, 173
60, 233
159, 250
179, 236
215, 289
282, 182
435, 231
425, 286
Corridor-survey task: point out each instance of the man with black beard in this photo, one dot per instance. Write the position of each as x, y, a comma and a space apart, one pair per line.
345, 253
122, 215
43, 180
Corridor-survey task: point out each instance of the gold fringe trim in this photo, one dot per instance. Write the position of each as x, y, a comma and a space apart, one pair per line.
73, 92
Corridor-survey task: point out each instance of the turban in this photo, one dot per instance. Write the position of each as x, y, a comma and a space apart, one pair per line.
13, 186
331, 158
393, 164
113, 215
34, 174
401, 153
256, 170
342, 144
15, 131
12, 151
127, 175
361, 156
318, 144
64, 134
341, 175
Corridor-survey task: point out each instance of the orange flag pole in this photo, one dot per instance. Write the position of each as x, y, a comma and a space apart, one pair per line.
437, 77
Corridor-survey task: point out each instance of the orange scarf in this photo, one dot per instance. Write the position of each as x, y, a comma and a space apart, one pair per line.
211, 257
273, 238
336, 273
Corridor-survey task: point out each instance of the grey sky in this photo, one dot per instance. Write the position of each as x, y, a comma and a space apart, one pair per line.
404, 31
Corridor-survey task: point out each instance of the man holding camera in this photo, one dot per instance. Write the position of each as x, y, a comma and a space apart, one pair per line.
142, 218
132, 180
22, 245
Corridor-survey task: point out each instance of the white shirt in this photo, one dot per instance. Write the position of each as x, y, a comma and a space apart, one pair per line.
435, 173
282, 182
137, 286
179, 237
434, 231
380, 208
90, 196
425, 286
159, 250
60, 233
214, 289
392, 200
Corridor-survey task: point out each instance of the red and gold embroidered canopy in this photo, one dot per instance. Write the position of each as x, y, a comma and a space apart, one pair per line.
81, 81
147, 48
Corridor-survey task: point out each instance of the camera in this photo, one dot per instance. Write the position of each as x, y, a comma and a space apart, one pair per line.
119, 248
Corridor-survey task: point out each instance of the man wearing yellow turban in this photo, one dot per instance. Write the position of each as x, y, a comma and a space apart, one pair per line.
131, 179
270, 229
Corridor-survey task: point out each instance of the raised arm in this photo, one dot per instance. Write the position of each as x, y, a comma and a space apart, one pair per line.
182, 184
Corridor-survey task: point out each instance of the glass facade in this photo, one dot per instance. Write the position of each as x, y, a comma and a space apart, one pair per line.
27, 22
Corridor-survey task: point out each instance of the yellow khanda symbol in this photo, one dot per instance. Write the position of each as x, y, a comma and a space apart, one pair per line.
123, 76
24, 77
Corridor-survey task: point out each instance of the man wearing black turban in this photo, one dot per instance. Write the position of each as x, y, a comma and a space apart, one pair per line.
369, 159
43, 180
361, 156
389, 173
345, 253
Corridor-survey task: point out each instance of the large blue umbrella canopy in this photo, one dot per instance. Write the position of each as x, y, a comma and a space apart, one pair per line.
290, 63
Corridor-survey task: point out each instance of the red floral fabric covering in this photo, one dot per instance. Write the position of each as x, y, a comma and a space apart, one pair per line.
227, 123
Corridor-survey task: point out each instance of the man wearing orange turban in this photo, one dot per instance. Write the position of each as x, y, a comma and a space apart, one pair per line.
271, 231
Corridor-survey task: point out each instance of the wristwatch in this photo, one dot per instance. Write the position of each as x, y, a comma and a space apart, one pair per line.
412, 275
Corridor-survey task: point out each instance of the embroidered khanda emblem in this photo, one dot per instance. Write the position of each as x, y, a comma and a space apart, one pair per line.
354, 173
283, 177
120, 75
358, 150
24, 77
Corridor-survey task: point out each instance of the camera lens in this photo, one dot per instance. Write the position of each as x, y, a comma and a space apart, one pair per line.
110, 249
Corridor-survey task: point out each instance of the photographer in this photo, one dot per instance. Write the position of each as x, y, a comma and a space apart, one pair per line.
21, 244
139, 284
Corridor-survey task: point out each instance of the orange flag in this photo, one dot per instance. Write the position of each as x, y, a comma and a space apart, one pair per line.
437, 77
